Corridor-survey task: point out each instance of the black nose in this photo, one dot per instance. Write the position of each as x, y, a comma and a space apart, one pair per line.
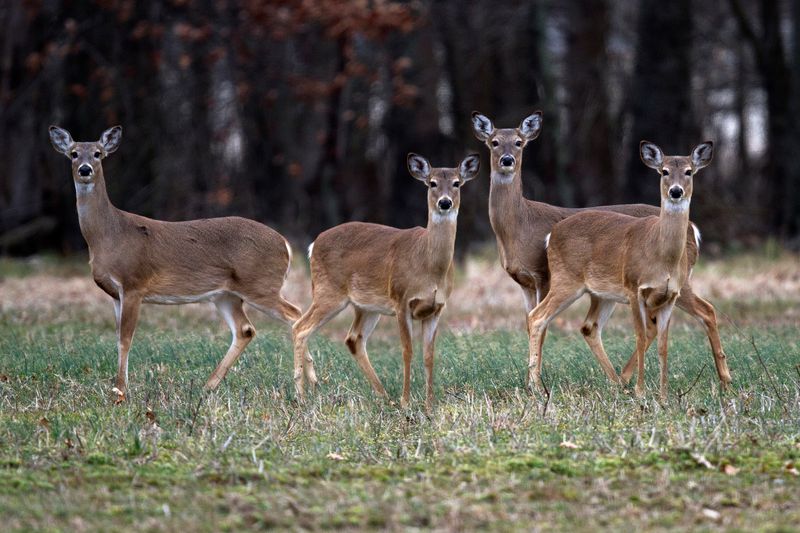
445, 204
84, 170
675, 192
506, 160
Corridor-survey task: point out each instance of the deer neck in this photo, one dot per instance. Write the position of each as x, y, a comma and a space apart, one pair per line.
505, 200
672, 223
440, 240
96, 215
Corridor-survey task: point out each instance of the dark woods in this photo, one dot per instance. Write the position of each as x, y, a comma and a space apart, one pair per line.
300, 113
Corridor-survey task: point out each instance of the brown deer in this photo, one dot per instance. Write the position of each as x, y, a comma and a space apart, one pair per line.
381, 270
615, 257
135, 260
521, 225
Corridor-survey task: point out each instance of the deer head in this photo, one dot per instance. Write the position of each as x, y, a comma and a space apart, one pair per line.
677, 172
86, 157
444, 184
506, 145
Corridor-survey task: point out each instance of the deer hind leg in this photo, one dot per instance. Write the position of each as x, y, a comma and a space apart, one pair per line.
126, 309
599, 313
321, 311
558, 298
363, 325
705, 313
242, 332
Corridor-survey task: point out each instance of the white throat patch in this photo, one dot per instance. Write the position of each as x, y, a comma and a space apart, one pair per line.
448, 216
503, 178
676, 207
84, 188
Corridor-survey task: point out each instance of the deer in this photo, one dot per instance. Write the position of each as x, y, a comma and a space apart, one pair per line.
520, 226
382, 270
228, 261
618, 258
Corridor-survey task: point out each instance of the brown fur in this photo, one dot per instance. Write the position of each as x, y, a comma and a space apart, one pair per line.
136, 260
616, 258
381, 270
521, 225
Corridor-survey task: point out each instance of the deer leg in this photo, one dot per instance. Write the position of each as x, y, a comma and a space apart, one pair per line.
242, 332
556, 301
320, 312
404, 324
650, 335
705, 313
599, 313
363, 325
640, 319
430, 326
663, 316
288, 313
126, 309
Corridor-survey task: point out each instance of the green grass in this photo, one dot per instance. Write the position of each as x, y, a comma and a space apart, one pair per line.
247, 456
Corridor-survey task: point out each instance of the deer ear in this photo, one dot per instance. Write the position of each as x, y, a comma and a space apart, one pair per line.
531, 126
469, 167
702, 154
61, 139
482, 127
651, 155
111, 138
418, 167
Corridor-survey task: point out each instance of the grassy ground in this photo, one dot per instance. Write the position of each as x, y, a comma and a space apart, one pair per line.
490, 455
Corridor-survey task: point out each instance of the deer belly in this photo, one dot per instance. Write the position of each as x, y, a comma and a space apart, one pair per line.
372, 303
179, 299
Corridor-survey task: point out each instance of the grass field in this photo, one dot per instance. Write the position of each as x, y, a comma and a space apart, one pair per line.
490, 456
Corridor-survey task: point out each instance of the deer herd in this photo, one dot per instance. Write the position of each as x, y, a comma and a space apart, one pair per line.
635, 254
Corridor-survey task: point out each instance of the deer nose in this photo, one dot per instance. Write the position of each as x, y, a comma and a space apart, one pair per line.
85, 170
675, 192
507, 161
445, 203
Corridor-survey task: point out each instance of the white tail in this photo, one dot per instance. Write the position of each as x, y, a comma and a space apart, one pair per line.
619, 258
521, 227
381, 270
135, 260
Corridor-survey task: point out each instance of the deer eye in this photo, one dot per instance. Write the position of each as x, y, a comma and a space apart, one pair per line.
456, 184
97, 155
518, 143
433, 184
688, 172
495, 143
74, 155
665, 172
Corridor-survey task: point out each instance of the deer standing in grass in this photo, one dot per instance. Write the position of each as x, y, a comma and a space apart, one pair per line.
619, 258
521, 225
381, 270
228, 261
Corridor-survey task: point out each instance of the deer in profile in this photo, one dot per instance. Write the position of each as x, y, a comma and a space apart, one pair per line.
382, 270
229, 261
520, 226
642, 261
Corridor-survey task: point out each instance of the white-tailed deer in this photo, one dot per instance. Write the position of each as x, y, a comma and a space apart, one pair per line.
620, 258
381, 270
135, 260
521, 225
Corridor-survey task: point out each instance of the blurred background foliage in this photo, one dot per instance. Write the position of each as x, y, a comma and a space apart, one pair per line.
299, 113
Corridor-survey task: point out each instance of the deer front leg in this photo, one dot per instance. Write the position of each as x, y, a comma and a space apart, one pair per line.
639, 325
126, 309
663, 316
430, 327
404, 324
